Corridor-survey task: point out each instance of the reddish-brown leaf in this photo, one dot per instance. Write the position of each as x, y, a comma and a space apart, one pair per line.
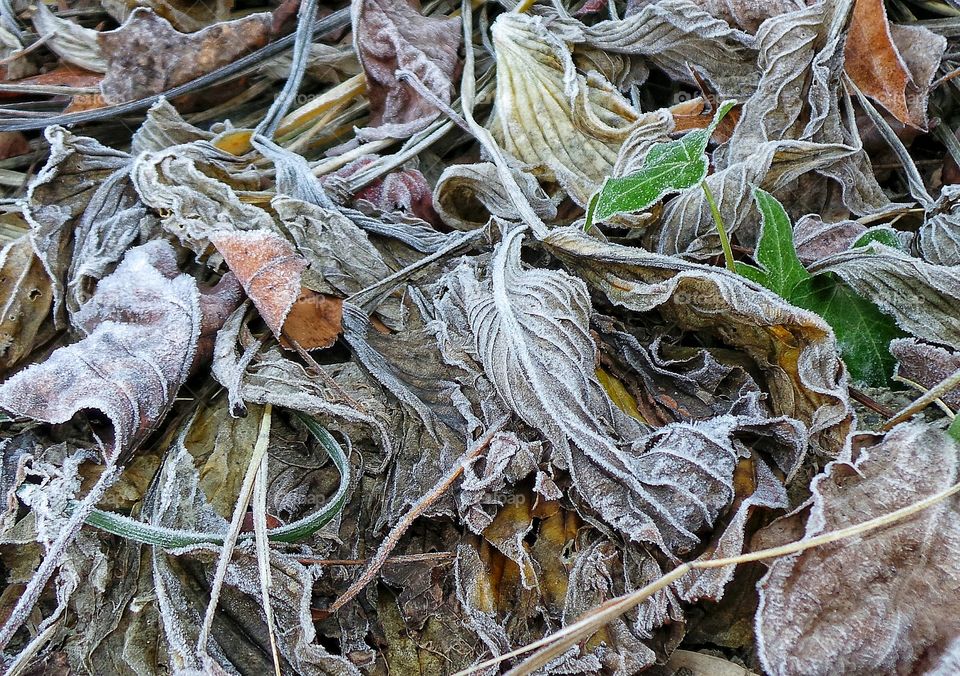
390, 35
874, 61
315, 320
268, 268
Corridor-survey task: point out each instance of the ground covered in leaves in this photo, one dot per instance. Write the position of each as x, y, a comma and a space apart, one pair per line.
568, 338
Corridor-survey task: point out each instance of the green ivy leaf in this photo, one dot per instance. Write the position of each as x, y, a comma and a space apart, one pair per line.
863, 331
668, 167
884, 235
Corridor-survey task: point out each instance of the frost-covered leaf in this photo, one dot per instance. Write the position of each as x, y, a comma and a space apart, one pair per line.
467, 195
538, 89
677, 36
25, 301
531, 335
393, 35
60, 194
185, 15
164, 127
939, 236
926, 365
873, 60
668, 167
267, 267
794, 349
70, 41
876, 603
142, 330
146, 55
180, 183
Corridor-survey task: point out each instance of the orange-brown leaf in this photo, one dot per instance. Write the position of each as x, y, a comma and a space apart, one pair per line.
315, 320
268, 268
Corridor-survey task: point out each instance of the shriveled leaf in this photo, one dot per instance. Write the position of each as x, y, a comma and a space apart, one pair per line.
26, 297
467, 195
70, 41
531, 336
146, 55
873, 61
875, 604
794, 349
537, 90
142, 328
668, 167
194, 204
60, 194
267, 267
393, 35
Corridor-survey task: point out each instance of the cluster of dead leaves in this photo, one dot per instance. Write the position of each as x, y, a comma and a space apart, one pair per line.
347, 283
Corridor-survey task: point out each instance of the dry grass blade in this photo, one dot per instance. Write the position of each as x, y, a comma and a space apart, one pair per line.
932, 395
230, 541
263, 554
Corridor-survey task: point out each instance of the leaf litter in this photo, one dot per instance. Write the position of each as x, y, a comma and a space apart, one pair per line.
488, 337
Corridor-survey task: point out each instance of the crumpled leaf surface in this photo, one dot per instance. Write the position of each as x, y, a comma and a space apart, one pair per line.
391, 36
146, 55
145, 319
837, 607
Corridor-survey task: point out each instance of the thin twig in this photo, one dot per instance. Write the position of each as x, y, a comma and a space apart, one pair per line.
938, 391
393, 537
391, 561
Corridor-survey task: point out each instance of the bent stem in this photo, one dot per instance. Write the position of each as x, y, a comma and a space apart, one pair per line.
721, 229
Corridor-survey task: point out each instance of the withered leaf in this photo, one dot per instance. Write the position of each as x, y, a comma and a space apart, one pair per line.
926, 365
185, 15
531, 335
72, 42
142, 328
315, 320
146, 55
874, 62
26, 297
267, 267
795, 349
60, 194
392, 35
876, 603
567, 127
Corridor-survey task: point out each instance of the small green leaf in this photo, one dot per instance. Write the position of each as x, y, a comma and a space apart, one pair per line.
776, 253
863, 332
884, 235
669, 167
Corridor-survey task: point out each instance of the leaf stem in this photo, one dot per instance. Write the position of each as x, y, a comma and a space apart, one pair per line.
721, 229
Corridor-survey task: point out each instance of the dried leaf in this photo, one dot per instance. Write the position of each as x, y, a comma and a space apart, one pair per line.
467, 195
531, 336
267, 267
146, 55
874, 605
392, 36
185, 15
180, 183
70, 41
142, 328
315, 320
60, 194
794, 349
926, 365
540, 99
873, 61
26, 297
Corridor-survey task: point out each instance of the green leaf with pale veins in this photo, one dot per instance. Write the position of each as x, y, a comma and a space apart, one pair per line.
863, 332
669, 167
